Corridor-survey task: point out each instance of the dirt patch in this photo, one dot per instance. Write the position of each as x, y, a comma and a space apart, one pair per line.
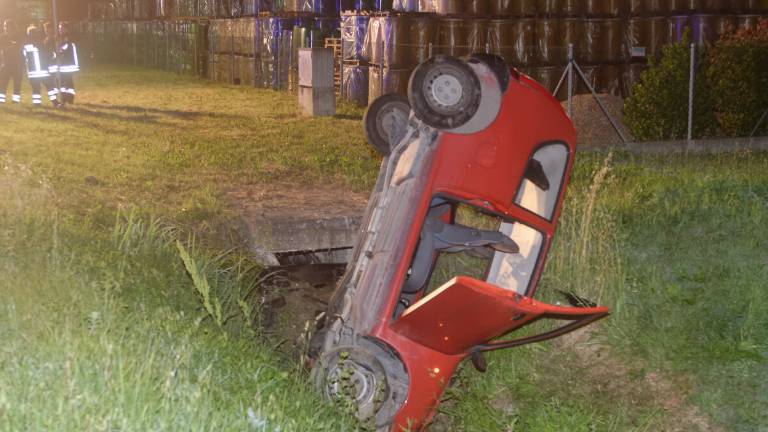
606, 374
592, 126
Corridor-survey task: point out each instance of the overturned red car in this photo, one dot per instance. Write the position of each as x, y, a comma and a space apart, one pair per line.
475, 138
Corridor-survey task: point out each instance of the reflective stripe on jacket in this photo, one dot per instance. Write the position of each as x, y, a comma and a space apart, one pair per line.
35, 63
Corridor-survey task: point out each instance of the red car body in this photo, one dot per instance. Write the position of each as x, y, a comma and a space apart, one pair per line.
430, 333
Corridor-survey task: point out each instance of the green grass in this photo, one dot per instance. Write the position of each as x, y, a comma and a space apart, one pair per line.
697, 272
104, 331
173, 143
677, 247
102, 327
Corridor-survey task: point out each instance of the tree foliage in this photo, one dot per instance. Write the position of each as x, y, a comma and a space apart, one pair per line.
658, 107
737, 73
731, 90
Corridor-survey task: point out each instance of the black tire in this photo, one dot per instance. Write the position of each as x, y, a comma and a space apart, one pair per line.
375, 376
497, 65
386, 122
444, 92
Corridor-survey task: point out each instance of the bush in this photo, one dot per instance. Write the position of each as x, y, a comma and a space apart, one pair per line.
658, 107
737, 74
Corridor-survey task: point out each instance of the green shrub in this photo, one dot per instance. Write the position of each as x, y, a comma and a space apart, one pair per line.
658, 107
737, 74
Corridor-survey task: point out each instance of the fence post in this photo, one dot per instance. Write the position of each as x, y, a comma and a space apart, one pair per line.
691, 83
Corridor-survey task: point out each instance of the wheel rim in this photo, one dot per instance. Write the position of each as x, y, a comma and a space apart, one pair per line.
349, 373
392, 122
444, 91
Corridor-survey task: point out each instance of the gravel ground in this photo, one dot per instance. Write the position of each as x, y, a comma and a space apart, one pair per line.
592, 126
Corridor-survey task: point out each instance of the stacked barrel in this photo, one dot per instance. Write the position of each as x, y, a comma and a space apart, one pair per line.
355, 66
178, 46
256, 42
234, 51
653, 24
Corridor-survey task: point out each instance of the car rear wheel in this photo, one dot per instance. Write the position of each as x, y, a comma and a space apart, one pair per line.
386, 122
444, 92
365, 378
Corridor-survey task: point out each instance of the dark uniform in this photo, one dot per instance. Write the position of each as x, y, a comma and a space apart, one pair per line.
48, 56
38, 62
12, 67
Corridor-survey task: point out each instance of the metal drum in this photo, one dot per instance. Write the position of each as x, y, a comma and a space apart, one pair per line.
514, 40
452, 37
649, 7
392, 81
637, 7
631, 76
353, 34
734, 6
748, 22
522, 8
477, 36
356, 84
756, 6
405, 5
421, 35
646, 37
571, 33
499, 8
573, 7
561, 7
679, 6
604, 79
246, 71
553, 37
547, 7
477, 7
709, 6
547, 37
676, 28
388, 37
427, 6
602, 41
725, 25
449, 7
703, 29
548, 77
605, 7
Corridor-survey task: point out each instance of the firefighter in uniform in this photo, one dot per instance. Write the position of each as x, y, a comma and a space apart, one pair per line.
68, 65
12, 67
48, 53
37, 66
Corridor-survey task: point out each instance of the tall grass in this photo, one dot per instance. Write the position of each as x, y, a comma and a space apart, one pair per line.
101, 332
585, 257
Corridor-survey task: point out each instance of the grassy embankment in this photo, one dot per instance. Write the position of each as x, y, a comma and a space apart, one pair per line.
678, 247
102, 328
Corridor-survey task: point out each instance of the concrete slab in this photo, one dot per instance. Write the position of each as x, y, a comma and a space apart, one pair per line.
281, 220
